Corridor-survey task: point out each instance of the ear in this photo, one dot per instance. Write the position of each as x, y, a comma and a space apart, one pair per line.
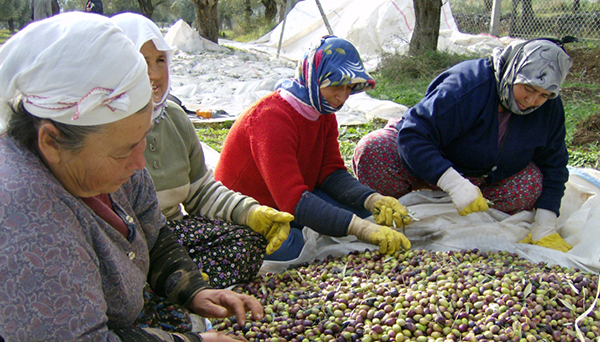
48, 147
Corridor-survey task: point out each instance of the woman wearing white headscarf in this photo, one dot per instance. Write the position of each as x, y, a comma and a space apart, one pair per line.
491, 128
81, 231
215, 231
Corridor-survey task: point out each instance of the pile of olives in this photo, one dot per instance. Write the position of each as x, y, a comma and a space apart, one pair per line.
422, 296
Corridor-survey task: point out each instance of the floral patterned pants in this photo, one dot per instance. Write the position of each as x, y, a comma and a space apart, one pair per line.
376, 164
229, 254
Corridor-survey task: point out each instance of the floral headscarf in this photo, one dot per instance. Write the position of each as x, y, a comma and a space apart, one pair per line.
539, 62
333, 62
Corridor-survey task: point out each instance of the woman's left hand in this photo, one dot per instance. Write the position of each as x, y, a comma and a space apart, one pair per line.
387, 211
225, 303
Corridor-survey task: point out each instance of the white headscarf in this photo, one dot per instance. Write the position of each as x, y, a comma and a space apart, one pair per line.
539, 62
74, 68
140, 30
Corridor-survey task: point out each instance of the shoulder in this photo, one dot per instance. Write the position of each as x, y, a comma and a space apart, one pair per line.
179, 117
468, 78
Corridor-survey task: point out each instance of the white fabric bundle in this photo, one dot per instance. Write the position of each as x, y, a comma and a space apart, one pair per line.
74, 68
140, 30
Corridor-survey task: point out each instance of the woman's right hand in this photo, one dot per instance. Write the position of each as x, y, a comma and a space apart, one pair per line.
216, 336
274, 225
389, 240
467, 198
215, 303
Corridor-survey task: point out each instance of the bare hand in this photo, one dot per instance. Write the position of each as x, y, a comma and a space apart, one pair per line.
215, 336
226, 303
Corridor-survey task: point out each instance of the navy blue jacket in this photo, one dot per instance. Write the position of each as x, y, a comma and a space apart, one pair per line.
456, 125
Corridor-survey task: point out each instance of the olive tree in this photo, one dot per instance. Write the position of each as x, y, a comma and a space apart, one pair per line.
427, 26
207, 19
15, 13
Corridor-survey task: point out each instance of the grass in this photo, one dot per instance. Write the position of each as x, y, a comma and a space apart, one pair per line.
404, 80
4, 35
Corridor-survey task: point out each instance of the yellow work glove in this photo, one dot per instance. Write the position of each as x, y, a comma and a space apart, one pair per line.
387, 210
553, 241
467, 198
544, 232
388, 240
274, 225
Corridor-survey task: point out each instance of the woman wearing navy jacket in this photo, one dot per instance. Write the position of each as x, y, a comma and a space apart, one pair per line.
491, 128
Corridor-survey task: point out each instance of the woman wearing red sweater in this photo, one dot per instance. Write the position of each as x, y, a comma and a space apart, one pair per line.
283, 151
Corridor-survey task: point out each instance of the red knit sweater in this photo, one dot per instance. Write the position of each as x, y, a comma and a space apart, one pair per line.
273, 154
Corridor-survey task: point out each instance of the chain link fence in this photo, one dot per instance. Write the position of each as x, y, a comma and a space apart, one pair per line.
531, 18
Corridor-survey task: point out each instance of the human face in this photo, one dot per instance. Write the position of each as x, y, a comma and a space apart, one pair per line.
528, 96
108, 159
158, 70
336, 96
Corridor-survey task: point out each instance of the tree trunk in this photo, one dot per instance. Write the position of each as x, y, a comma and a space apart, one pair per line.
147, 8
11, 25
270, 9
427, 26
247, 12
281, 5
207, 19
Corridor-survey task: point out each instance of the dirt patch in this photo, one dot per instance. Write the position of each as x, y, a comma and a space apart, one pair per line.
585, 70
586, 63
587, 131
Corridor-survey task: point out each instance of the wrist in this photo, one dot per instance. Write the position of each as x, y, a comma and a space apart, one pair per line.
187, 337
371, 200
246, 214
360, 228
449, 179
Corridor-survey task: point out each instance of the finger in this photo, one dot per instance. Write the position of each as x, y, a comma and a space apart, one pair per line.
249, 304
281, 216
212, 310
394, 243
398, 219
387, 214
405, 243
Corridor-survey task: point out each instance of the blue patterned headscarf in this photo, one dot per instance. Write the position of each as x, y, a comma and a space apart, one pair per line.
335, 61
539, 62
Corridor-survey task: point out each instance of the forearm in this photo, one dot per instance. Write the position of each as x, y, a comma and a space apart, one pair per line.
212, 199
322, 217
346, 189
172, 272
137, 334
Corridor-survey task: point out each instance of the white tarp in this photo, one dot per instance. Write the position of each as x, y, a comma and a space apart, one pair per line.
232, 80
374, 27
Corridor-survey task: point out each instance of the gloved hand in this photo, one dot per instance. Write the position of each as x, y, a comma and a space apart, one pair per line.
387, 210
388, 240
467, 198
544, 232
274, 225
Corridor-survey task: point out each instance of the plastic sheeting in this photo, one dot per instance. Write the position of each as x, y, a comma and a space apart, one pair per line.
232, 76
440, 228
381, 26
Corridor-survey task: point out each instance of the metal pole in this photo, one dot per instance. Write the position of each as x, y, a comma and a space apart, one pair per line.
287, 10
324, 18
495, 23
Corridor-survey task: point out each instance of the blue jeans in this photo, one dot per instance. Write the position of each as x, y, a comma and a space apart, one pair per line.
290, 249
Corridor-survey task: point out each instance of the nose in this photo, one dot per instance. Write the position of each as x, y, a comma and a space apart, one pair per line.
153, 72
344, 93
